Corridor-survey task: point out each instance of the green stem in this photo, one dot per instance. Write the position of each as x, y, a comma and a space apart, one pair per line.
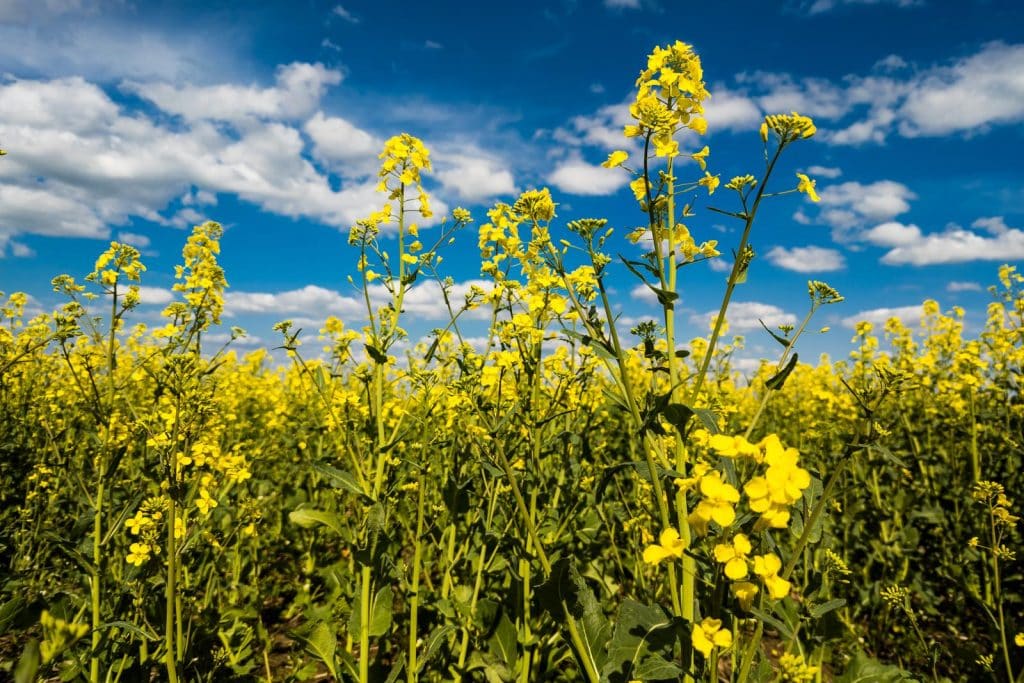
414, 602
364, 626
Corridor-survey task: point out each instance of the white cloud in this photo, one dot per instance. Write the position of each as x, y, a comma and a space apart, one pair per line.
344, 146
985, 88
824, 171
908, 315
622, 4
55, 38
433, 45
156, 296
423, 302
849, 207
79, 163
644, 294
340, 11
957, 286
309, 300
576, 176
807, 259
893, 234
299, 87
957, 245
746, 315
821, 6
136, 240
994, 225
474, 176
727, 110
601, 129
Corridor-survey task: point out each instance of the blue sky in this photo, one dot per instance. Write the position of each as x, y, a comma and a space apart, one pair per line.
134, 120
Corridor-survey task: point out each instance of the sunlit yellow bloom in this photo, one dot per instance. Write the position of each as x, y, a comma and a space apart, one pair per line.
734, 556
745, 591
733, 446
716, 505
709, 181
709, 634
1019, 639
701, 157
616, 158
767, 567
806, 185
139, 553
669, 545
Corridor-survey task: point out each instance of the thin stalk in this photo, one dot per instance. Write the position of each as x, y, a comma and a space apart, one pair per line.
364, 625
732, 282
414, 601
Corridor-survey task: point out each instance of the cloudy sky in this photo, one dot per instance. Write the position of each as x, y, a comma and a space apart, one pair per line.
133, 120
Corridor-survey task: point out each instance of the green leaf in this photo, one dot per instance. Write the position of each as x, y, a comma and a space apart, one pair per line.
308, 518
376, 355
865, 669
503, 642
665, 297
818, 611
9, 612
396, 670
322, 644
28, 664
339, 479
380, 612
782, 340
779, 379
566, 586
810, 498
643, 640
434, 642
784, 631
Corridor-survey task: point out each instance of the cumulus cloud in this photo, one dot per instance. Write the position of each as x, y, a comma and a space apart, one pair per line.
744, 316
983, 89
423, 302
822, 6
156, 296
576, 176
728, 110
80, 163
344, 146
908, 315
958, 286
601, 129
807, 259
848, 208
475, 176
297, 92
824, 171
967, 95
956, 245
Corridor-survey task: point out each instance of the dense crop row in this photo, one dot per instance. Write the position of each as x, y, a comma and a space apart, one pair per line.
568, 503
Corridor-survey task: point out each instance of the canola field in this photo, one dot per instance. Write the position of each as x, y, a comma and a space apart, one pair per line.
571, 501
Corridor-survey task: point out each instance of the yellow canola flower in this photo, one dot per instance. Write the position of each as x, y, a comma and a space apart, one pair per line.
745, 591
701, 157
717, 504
1019, 640
710, 181
734, 556
139, 554
616, 158
767, 567
734, 446
806, 185
669, 545
709, 634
